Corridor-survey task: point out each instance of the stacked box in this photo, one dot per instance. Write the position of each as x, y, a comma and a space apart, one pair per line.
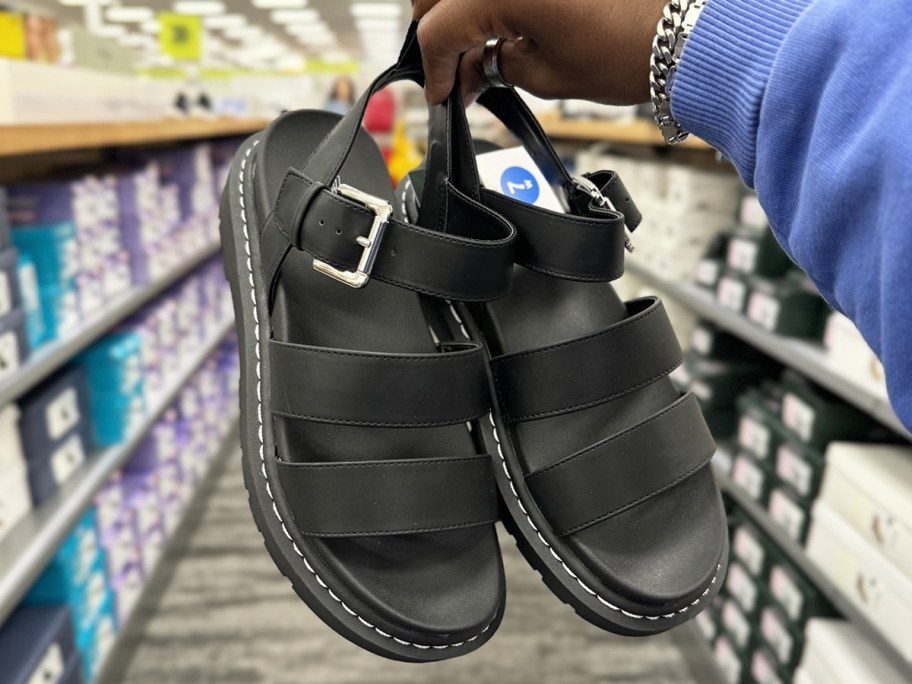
15, 499
37, 644
53, 249
114, 370
837, 653
55, 429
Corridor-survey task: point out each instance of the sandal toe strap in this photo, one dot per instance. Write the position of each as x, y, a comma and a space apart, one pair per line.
589, 370
624, 470
392, 497
376, 389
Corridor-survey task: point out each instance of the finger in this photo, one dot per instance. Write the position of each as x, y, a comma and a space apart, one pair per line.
523, 66
472, 81
450, 28
422, 7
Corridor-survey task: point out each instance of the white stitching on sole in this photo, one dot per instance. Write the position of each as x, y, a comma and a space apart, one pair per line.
256, 331
560, 560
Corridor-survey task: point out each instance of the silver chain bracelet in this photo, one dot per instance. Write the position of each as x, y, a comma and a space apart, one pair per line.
675, 26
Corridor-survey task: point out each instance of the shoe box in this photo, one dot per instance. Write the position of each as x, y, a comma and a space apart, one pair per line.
15, 498
755, 251
14, 338
54, 250
837, 653
856, 562
35, 329
870, 488
114, 370
757, 623
37, 644
55, 431
850, 355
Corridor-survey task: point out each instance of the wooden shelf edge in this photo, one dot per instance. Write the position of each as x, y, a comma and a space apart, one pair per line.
635, 132
26, 139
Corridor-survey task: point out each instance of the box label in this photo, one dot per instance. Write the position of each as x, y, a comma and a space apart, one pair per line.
50, 668
798, 416
749, 550
749, 477
794, 470
742, 255
731, 294
777, 635
786, 592
754, 436
9, 353
62, 414
790, 516
67, 458
763, 310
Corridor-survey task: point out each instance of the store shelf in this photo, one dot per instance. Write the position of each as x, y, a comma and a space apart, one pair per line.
808, 358
153, 582
51, 356
23, 139
30, 545
633, 132
697, 653
798, 556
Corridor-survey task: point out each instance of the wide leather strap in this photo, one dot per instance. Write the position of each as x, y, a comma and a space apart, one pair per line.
470, 261
562, 245
589, 370
624, 470
377, 498
376, 389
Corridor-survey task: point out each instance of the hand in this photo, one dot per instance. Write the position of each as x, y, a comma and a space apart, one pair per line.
586, 49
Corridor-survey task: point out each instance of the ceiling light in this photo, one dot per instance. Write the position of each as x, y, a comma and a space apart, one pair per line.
225, 21
374, 24
307, 29
299, 16
83, 3
150, 27
200, 8
110, 30
129, 14
376, 9
250, 31
279, 4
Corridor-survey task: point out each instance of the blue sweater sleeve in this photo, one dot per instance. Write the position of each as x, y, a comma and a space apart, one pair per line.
811, 100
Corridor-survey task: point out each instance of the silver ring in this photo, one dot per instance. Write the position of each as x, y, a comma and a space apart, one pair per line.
491, 62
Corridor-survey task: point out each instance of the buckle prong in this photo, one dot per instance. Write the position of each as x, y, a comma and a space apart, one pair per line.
592, 190
382, 211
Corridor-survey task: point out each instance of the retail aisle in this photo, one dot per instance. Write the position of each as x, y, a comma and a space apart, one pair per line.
227, 616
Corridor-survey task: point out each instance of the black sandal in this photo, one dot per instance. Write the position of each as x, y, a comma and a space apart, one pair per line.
372, 495
602, 466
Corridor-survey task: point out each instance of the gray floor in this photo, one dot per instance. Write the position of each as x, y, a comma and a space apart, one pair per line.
219, 611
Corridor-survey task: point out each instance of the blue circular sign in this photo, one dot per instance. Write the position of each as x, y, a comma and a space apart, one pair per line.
520, 184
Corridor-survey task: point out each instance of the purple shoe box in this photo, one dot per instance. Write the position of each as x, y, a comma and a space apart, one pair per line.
110, 503
73, 201
142, 498
127, 587
119, 542
158, 448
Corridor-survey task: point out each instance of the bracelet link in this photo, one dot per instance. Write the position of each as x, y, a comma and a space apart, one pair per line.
672, 32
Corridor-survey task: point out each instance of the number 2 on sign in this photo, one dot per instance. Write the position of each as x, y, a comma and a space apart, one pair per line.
518, 187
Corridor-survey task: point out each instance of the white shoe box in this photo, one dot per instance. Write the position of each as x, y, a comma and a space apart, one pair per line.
836, 653
870, 487
861, 573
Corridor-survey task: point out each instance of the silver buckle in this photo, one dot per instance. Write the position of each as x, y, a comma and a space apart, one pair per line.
371, 244
592, 190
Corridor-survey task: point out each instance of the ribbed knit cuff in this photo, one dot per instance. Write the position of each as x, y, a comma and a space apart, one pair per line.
722, 76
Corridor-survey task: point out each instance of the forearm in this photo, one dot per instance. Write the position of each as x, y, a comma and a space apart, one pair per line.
807, 98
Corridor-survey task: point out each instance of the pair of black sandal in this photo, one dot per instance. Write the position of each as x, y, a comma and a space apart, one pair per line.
415, 368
